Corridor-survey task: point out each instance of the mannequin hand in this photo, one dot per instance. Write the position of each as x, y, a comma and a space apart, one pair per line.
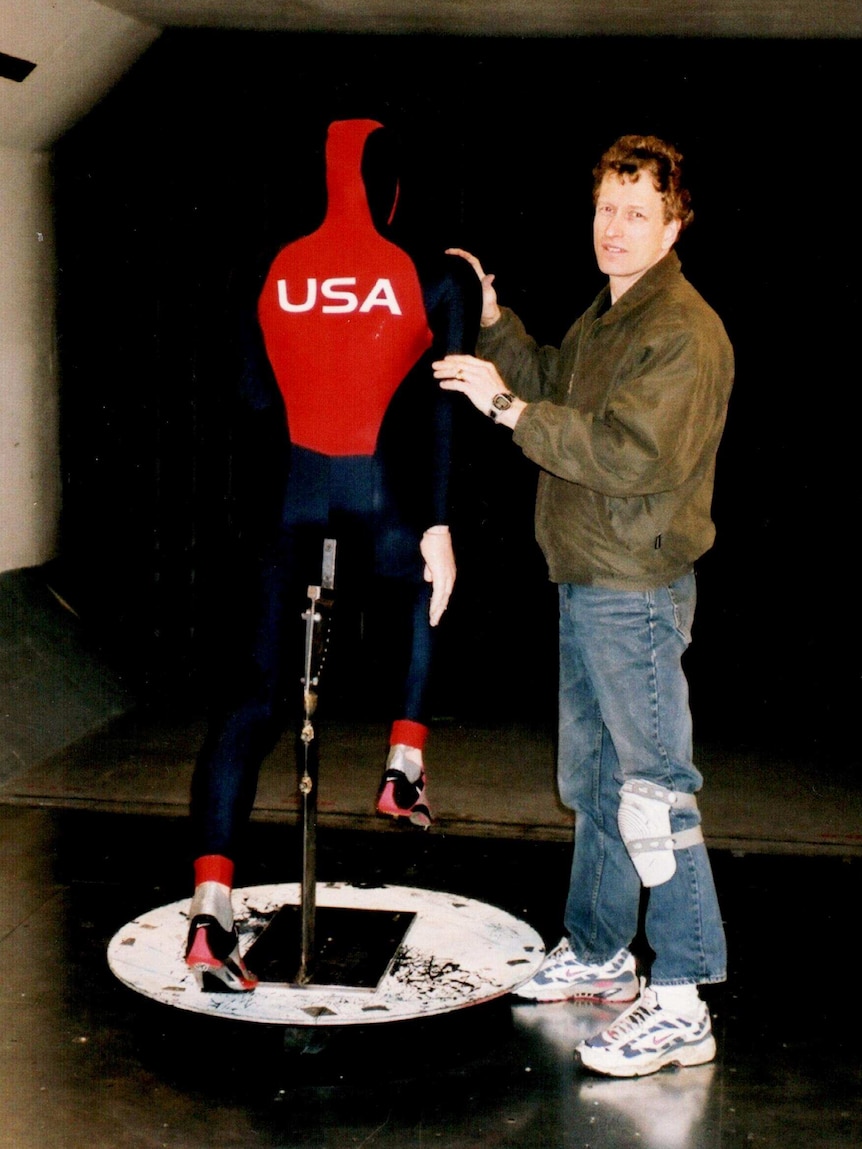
436, 550
490, 308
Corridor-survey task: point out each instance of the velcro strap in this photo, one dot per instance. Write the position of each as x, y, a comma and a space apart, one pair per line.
674, 798
681, 841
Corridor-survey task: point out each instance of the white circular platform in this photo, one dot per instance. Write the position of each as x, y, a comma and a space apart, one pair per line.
456, 952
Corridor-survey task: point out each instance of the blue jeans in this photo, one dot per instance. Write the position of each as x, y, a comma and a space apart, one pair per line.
624, 714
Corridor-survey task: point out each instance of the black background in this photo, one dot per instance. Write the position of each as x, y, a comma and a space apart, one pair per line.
211, 147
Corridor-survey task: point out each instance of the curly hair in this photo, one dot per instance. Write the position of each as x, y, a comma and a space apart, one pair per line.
630, 155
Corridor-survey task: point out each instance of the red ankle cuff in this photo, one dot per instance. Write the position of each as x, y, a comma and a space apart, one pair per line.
214, 868
408, 733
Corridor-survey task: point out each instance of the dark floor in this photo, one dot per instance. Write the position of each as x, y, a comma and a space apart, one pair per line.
88, 1063
93, 832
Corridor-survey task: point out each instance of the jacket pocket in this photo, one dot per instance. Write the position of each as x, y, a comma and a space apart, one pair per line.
637, 523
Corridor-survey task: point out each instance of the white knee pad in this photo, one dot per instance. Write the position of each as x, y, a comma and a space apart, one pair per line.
644, 822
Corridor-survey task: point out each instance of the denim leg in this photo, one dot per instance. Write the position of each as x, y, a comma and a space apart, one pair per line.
604, 890
621, 663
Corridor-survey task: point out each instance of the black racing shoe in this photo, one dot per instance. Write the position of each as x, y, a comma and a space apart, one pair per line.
213, 953
401, 798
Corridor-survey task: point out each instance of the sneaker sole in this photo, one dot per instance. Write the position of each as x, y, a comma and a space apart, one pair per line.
594, 998
603, 991
684, 1056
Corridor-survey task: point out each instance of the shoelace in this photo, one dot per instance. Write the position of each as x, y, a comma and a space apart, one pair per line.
641, 1012
560, 952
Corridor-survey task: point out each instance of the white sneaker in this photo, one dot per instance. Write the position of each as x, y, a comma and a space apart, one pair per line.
563, 978
646, 1037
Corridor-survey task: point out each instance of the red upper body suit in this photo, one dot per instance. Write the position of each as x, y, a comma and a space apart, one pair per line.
342, 313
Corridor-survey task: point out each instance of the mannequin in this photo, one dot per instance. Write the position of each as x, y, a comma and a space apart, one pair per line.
337, 351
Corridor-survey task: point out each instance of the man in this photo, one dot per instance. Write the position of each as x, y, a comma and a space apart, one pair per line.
624, 421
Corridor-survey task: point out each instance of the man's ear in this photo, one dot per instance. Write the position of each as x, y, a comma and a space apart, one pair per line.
671, 233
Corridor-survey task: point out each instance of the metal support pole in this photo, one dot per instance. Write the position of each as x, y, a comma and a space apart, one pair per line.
317, 622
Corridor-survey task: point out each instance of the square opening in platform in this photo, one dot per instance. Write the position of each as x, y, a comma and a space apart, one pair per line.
353, 946
14, 68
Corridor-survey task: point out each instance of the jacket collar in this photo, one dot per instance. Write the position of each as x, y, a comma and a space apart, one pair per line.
658, 276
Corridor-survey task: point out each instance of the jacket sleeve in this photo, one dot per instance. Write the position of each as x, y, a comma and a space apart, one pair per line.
661, 415
527, 369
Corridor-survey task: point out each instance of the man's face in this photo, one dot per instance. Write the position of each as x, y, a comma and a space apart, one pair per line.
629, 231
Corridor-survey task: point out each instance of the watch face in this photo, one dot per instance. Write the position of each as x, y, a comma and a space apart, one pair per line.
502, 402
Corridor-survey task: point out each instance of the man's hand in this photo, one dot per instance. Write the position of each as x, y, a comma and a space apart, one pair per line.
490, 308
480, 381
436, 549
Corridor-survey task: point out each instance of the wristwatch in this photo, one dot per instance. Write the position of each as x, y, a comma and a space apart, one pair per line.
501, 402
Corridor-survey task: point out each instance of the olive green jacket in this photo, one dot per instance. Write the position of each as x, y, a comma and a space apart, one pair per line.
625, 421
